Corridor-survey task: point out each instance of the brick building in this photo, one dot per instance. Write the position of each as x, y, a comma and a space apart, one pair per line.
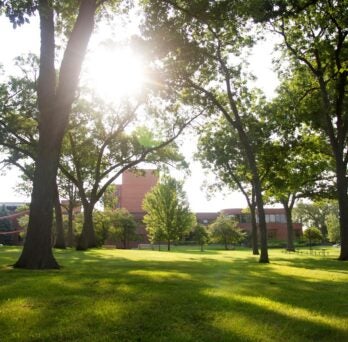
135, 186
275, 219
130, 196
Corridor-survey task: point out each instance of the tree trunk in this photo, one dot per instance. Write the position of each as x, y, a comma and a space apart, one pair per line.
54, 104
262, 218
250, 156
71, 240
168, 245
125, 240
342, 187
37, 250
254, 240
60, 240
87, 238
289, 226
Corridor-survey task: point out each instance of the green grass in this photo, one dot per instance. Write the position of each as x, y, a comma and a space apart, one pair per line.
182, 295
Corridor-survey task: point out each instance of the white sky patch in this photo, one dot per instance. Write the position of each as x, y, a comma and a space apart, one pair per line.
262, 67
114, 73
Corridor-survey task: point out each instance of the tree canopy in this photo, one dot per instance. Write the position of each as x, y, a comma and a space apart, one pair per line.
168, 216
225, 230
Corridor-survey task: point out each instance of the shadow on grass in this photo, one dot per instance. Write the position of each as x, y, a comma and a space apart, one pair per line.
114, 298
310, 263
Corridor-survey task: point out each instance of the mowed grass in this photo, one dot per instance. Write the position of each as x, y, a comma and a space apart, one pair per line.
183, 295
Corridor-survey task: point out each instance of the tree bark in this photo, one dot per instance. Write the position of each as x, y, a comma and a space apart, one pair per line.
87, 238
37, 251
225, 243
250, 156
254, 239
60, 240
54, 107
70, 239
342, 186
289, 225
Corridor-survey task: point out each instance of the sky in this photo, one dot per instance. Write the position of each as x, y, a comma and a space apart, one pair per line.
26, 39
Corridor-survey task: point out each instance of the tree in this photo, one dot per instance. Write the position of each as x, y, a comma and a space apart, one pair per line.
101, 224
54, 103
167, 215
316, 42
110, 198
312, 234
333, 228
123, 227
69, 191
197, 44
102, 143
56, 93
316, 214
297, 168
95, 151
220, 151
225, 230
200, 235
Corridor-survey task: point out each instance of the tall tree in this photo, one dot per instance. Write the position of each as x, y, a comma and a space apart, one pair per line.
198, 44
298, 167
220, 151
317, 45
56, 92
167, 213
98, 149
18, 127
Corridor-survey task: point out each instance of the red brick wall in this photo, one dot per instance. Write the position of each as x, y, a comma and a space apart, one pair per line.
277, 231
133, 189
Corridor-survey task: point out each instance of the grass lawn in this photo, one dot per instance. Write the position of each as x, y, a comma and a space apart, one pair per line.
182, 295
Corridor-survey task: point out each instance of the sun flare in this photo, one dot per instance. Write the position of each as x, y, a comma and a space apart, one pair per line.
116, 73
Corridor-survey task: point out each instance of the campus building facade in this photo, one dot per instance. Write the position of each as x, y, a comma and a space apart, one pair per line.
135, 186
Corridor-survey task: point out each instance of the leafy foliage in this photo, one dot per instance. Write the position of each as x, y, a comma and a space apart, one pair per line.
5, 226
168, 216
316, 214
18, 11
122, 227
225, 230
333, 228
200, 235
199, 47
312, 234
315, 44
